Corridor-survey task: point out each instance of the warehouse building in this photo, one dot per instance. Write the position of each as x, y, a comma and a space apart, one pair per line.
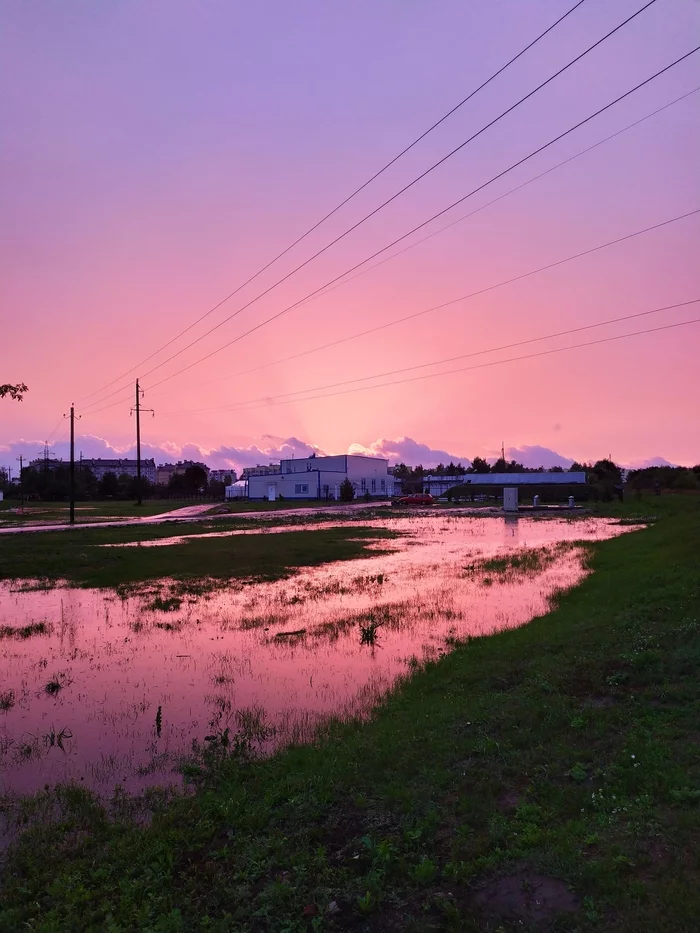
320, 478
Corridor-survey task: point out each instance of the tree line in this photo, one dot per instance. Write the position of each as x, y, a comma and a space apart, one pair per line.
53, 484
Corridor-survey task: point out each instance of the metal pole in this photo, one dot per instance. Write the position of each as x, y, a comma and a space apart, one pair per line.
138, 445
21, 483
72, 464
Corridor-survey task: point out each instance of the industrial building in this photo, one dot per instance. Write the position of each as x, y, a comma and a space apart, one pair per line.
438, 484
320, 478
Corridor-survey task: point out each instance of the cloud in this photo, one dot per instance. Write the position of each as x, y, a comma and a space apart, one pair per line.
406, 450
271, 449
535, 456
651, 462
268, 449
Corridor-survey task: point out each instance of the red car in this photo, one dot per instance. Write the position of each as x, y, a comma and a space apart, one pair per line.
418, 498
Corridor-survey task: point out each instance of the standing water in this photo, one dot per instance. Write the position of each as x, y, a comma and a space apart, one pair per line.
107, 690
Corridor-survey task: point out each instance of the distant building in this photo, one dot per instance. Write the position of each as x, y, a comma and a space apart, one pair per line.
321, 477
45, 463
221, 476
438, 484
260, 470
165, 470
99, 467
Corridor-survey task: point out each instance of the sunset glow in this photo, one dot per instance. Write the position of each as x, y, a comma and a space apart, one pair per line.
154, 158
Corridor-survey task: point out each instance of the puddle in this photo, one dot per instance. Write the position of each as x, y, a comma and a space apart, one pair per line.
105, 691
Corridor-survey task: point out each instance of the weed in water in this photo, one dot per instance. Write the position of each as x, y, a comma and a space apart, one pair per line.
57, 739
57, 683
7, 700
368, 633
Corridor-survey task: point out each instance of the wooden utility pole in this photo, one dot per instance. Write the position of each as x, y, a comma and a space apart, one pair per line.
72, 464
138, 444
138, 409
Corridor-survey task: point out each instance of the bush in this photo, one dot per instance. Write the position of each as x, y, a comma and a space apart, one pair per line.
347, 491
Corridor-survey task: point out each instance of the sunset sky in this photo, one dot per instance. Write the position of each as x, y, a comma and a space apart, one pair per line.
155, 156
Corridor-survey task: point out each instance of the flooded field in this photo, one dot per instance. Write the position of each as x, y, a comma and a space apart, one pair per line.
108, 690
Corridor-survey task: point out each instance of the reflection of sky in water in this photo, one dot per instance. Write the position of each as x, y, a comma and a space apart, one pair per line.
223, 652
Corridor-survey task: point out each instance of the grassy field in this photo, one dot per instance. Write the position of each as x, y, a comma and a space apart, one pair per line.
545, 778
58, 512
79, 557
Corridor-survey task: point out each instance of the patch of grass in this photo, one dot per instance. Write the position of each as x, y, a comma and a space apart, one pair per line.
520, 563
76, 556
165, 603
25, 631
545, 778
7, 700
94, 510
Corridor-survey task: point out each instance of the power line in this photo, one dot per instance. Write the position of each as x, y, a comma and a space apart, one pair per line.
350, 196
384, 204
449, 372
496, 285
442, 362
448, 226
414, 230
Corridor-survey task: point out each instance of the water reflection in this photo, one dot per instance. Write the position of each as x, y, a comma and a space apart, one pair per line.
107, 690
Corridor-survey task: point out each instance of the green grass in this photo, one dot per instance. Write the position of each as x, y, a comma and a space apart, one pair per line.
77, 557
559, 757
58, 512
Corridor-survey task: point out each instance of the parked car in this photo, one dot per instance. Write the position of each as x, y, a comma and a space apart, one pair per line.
418, 498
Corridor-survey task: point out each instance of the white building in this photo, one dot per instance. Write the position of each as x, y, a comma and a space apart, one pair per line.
437, 484
320, 478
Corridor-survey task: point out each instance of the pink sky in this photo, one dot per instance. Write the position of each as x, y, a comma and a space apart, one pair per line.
154, 157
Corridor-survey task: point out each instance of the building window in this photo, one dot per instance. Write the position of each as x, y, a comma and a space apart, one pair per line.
288, 468
383, 485
374, 485
363, 485
301, 488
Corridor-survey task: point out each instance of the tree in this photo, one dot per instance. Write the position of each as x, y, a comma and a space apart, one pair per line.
217, 489
108, 486
479, 465
190, 482
196, 478
347, 491
15, 392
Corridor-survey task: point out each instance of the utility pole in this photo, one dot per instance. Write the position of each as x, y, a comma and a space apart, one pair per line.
138, 444
138, 410
21, 483
72, 462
